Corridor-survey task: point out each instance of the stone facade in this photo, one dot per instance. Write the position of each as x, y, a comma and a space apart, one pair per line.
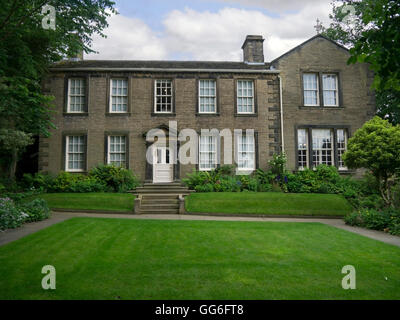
96, 122
356, 99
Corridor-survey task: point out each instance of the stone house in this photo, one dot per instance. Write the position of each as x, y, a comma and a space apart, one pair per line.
307, 102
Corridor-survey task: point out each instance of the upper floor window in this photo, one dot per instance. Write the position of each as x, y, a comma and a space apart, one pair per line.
75, 154
245, 96
207, 96
310, 85
76, 95
117, 150
207, 152
119, 95
246, 151
163, 96
330, 90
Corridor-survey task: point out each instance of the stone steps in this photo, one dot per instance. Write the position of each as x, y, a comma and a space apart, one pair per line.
163, 198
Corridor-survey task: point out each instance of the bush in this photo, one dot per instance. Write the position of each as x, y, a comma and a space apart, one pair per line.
384, 220
116, 178
36, 210
208, 187
10, 215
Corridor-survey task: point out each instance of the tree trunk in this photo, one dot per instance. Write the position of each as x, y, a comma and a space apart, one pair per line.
13, 164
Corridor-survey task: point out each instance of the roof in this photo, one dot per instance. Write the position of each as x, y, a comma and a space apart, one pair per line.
306, 42
166, 65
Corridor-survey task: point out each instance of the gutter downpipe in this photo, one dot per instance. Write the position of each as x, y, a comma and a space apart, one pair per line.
281, 114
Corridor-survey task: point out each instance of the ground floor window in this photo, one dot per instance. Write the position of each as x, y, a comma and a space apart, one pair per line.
117, 150
75, 153
246, 152
207, 152
323, 145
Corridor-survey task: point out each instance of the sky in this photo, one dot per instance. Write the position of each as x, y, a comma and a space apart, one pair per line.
212, 30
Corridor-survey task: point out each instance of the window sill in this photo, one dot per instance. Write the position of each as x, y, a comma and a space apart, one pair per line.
320, 108
203, 114
75, 114
118, 114
246, 115
156, 114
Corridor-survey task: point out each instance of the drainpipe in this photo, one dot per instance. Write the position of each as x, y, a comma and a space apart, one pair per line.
281, 113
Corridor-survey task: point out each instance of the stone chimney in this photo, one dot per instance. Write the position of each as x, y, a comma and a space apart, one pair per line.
253, 51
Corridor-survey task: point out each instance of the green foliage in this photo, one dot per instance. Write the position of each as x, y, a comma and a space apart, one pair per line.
117, 178
223, 181
10, 215
376, 146
27, 50
385, 220
37, 210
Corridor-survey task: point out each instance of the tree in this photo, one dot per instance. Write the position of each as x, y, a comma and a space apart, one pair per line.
376, 146
26, 52
372, 32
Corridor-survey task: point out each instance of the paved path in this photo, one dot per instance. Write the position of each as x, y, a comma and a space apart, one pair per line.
14, 234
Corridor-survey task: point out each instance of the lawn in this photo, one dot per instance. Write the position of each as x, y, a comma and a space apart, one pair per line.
121, 202
99, 258
269, 203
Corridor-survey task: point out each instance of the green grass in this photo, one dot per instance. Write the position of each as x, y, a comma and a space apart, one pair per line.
271, 203
99, 258
121, 202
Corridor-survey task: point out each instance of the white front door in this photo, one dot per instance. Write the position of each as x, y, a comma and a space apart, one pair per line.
162, 165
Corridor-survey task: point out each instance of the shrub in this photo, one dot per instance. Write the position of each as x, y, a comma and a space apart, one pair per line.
36, 210
38, 181
385, 220
208, 187
10, 215
116, 178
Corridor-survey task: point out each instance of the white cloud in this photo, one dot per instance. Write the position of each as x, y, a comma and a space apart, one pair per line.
193, 35
128, 39
219, 36
278, 6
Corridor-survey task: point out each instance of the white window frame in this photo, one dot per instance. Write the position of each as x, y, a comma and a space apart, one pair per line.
208, 151
76, 95
214, 97
341, 150
119, 95
336, 90
303, 149
246, 97
317, 89
332, 148
239, 151
171, 95
67, 153
109, 149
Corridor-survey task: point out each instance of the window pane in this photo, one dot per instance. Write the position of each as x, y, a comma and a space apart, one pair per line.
341, 147
207, 97
310, 86
322, 147
246, 152
76, 95
245, 96
117, 150
330, 90
207, 152
302, 148
75, 153
119, 95
163, 98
